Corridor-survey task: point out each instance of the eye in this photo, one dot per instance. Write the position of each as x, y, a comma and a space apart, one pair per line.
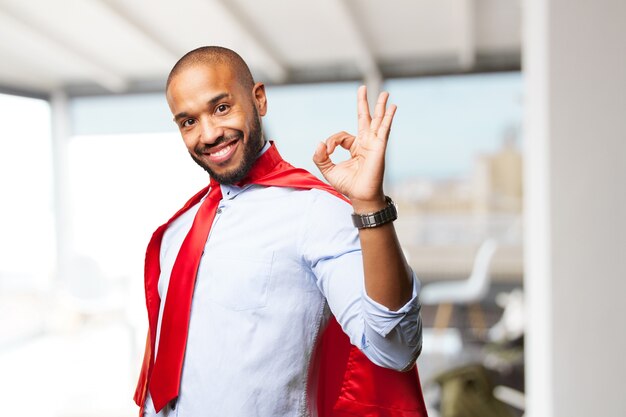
188, 122
222, 108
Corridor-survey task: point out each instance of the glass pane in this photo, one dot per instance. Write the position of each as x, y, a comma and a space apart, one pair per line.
26, 221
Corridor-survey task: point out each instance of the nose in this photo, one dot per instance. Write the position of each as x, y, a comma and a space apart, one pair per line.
209, 131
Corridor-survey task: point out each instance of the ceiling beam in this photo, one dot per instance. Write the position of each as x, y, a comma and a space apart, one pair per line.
160, 42
18, 91
97, 71
274, 69
365, 59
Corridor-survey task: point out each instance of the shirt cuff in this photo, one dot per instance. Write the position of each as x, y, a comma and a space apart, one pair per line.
383, 320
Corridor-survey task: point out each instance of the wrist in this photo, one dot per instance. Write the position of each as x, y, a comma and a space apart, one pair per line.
370, 205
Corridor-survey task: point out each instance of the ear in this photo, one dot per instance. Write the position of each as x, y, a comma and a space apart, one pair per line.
260, 100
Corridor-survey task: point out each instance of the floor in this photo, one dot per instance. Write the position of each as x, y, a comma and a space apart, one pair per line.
59, 367
82, 374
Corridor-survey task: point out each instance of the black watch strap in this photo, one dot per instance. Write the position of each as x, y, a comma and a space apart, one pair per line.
378, 218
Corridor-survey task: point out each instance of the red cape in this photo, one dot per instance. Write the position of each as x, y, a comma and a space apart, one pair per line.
349, 384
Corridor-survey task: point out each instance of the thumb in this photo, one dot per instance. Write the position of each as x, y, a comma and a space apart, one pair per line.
322, 160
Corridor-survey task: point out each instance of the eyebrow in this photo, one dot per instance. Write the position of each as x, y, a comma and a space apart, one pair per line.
210, 103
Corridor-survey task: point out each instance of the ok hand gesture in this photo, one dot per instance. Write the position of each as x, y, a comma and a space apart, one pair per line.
360, 178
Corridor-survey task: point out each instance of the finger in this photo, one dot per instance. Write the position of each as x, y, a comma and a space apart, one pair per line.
379, 111
385, 125
322, 160
343, 139
363, 109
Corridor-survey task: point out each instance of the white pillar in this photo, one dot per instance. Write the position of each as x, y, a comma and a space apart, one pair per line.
60, 137
575, 214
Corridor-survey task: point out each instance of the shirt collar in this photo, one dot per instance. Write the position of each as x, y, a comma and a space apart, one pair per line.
266, 161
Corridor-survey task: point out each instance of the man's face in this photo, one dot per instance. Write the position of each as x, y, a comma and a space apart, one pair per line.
218, 119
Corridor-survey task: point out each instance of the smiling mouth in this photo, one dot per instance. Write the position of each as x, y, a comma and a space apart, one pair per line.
222, 152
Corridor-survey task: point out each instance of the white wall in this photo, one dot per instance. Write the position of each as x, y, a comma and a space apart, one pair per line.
575, 74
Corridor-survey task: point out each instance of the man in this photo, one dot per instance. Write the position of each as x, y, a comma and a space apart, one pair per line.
240, 282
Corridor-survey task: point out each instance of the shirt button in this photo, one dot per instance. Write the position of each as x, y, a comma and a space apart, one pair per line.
219, 211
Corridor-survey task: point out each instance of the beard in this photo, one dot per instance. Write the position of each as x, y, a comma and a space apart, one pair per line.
252, 147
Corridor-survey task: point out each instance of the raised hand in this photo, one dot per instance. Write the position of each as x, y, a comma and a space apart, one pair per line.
360, 178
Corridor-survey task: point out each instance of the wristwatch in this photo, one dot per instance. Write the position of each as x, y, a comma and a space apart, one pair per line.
378, 218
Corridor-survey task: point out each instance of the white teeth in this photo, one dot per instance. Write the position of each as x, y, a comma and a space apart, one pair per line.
222, 152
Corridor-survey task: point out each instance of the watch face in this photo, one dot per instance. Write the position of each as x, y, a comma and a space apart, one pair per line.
392, 204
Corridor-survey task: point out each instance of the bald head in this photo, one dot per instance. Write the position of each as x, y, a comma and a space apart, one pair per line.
215, 56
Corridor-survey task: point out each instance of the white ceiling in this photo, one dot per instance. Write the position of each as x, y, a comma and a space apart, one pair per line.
112, 46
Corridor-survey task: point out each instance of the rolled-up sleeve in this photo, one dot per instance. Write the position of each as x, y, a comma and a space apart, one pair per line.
332, 251
392, 339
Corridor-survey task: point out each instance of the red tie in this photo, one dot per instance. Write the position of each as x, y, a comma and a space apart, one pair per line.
175, 323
